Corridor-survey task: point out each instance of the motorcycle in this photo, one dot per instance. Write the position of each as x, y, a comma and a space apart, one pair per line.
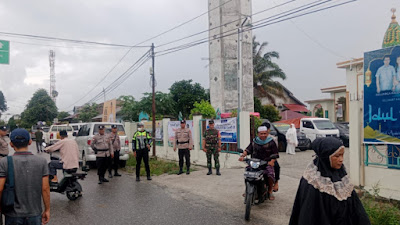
255, 184
69, 183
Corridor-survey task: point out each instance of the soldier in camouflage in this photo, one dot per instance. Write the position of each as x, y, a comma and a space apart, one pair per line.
212, 146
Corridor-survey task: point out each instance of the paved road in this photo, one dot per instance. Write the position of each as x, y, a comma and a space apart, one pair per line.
125, 201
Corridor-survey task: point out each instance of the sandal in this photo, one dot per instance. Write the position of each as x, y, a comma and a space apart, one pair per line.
271, 197
276, 187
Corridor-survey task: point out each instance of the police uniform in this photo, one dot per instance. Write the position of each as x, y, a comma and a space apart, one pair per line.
212, 144
116, 143
103, 148
140, 140
184, 141
3, 143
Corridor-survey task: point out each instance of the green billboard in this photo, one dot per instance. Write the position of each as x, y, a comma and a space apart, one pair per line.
4, 52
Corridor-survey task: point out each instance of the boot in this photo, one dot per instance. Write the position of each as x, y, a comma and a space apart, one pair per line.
100, 180
209, 171
180, 171
187, 171
110, 174
218, 173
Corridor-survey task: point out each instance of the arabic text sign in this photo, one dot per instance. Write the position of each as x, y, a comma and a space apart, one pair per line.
227, 128
382, 96
4, 52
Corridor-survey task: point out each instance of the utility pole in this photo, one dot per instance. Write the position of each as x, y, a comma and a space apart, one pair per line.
53, 93
153, 84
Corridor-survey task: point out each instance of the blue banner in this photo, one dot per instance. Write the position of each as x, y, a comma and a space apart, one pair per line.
382, 96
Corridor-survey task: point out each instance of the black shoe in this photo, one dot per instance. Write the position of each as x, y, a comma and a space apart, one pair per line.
117, 175
110, 175
100, 182
209, 172
188, 172
137, 178
105, 180
218, 173
149, 178
180, 172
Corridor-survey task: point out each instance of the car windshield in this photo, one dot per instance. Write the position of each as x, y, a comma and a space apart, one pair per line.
46, 129
67, 128
282, 127
120, 128
324, 125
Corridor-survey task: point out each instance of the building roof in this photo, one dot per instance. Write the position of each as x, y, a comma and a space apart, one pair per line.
296, 107
288, 114
349, 63
320, 100
392, 35
334, 89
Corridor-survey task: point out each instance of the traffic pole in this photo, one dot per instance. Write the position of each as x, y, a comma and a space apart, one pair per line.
154, 100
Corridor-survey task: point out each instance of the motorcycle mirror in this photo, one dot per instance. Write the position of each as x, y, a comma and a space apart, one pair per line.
240, 150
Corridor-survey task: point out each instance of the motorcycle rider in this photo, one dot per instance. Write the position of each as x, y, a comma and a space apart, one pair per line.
262, 147
69, 155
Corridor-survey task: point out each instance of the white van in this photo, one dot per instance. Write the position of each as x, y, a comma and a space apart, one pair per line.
84, 139
76, 127
317, 128
53, 135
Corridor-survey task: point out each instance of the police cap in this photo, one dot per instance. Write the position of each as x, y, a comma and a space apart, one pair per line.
183, 121
101, 127
3, 128
114, 126
211, 121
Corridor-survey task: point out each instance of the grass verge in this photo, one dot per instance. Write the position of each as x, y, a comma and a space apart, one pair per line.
157, 166
381, 212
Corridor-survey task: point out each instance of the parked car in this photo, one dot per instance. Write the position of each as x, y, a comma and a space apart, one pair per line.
76, 127
343, 128
53, 135
85, 136
317, 128
304, 142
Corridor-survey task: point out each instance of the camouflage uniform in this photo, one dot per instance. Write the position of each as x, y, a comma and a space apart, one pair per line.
212, 139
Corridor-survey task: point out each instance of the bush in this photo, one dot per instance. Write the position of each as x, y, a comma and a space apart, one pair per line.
381, 213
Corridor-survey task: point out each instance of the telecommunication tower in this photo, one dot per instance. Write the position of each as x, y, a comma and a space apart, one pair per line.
53, 92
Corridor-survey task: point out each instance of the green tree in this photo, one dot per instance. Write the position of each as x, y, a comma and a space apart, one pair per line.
185, 94
165, 105
88, 111
61, 115
39, 108
3, 103
319, 113
204, 108
265, 70
129, 108
266, 111
13, 123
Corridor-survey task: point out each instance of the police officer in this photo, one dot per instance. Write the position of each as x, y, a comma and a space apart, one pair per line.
101, 144
3, 142
212, 146
116, 143
141, 143
184, 142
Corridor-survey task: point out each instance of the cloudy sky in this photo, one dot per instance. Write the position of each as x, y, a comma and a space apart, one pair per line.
309, 46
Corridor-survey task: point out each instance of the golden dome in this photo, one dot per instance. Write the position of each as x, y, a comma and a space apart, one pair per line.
392, 35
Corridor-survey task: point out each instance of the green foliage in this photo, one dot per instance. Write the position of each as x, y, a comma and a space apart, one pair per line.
204, 108
88, 112
320, 113
157, 167
266, 111
381, 213
129, 108
185, 94
12, 123
61, 115
264, 71
165, 105
39, 108
3, 103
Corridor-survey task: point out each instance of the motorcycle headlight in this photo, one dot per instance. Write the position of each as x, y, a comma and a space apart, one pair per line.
254, 165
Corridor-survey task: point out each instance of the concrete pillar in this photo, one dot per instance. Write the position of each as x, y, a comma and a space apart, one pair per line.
244, 120
356, 148
165, 136
223, 54
196, 137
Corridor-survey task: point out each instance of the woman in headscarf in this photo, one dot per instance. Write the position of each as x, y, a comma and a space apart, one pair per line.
325, 195
291, 138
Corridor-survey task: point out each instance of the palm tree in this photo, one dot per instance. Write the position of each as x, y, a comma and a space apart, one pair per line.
264, 70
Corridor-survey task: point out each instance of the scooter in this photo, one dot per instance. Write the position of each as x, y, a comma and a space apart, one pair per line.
254, 180
69, 184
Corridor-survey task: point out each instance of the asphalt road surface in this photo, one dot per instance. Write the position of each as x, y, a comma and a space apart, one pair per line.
125, 201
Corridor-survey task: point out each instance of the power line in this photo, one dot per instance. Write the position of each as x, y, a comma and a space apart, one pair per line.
31, 36
263, 24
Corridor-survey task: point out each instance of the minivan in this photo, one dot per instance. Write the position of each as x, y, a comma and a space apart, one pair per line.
318, 128
85, 136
